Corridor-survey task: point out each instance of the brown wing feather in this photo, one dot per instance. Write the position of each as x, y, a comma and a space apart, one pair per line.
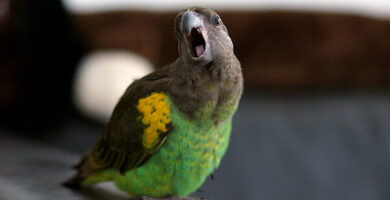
120, 146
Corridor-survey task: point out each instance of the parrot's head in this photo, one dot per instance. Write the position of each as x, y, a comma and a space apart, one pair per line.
202, 36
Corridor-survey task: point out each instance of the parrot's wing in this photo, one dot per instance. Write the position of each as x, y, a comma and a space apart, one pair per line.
138, 126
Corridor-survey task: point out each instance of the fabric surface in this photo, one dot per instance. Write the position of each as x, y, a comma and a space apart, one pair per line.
283, 146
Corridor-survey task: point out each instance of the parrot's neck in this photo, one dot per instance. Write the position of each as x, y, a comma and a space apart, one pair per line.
196, 88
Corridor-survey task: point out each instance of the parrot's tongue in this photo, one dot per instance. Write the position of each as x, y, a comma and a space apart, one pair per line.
199, 49
197, 43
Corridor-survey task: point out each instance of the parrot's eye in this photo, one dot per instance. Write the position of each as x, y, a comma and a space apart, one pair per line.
217, 21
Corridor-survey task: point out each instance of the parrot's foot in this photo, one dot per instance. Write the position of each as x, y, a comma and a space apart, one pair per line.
142, 197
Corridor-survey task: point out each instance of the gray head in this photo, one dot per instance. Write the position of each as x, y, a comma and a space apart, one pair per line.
202, 36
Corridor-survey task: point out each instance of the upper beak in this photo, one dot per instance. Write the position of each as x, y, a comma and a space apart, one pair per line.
189, 21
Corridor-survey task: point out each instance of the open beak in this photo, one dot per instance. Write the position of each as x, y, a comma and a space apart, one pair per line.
194, 31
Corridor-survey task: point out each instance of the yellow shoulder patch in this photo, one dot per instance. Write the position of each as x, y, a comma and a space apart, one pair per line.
155, 116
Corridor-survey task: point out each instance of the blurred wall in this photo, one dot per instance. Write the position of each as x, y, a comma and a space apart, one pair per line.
39, 51
41, 43
278, 50
378, 8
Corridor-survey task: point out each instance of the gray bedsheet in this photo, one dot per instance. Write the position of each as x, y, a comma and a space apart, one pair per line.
283, 146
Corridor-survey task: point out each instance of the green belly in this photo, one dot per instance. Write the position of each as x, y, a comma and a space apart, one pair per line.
191, 152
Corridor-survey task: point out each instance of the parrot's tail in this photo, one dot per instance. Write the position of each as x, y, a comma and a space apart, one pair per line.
74, 182
86, 175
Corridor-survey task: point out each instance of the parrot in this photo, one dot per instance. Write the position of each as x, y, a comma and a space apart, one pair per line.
171, 128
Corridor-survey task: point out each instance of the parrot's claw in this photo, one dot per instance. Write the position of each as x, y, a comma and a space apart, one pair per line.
142, 197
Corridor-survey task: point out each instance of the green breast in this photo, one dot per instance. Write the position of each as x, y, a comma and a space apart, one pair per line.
191, 152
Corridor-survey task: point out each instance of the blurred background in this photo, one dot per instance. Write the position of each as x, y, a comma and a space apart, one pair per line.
313, 122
